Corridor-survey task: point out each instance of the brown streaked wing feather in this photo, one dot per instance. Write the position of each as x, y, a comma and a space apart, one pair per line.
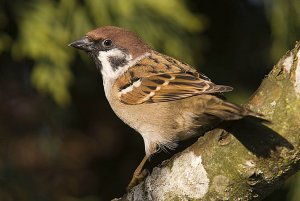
170, 87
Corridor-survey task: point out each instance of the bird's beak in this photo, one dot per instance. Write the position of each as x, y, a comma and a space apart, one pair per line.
83, 44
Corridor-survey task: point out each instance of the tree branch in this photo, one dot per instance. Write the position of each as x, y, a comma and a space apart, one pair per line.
244, 161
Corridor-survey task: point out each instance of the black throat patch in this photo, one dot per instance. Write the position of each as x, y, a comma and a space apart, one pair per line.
96, 60
117, 62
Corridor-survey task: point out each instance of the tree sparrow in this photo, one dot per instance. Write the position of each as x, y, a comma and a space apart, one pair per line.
165, 100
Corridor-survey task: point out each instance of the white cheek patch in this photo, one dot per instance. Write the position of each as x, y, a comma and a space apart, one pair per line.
107, 70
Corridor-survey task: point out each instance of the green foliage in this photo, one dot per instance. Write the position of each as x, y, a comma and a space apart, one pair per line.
44, 32
46, 27
284, 16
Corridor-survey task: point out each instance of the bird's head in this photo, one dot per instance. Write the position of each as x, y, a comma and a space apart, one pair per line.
111, 48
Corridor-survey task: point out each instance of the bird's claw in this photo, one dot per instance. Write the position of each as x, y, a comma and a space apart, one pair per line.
136, 179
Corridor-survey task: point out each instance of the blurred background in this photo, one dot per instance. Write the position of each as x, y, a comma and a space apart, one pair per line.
59, 139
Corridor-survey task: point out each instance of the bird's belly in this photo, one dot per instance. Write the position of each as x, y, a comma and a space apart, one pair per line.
160, 122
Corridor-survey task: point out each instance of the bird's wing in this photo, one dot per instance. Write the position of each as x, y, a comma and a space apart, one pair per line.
166, 87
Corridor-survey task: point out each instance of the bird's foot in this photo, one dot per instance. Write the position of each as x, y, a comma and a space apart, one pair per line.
136, 179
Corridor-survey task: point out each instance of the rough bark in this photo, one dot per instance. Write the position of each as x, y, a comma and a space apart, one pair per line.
245, 161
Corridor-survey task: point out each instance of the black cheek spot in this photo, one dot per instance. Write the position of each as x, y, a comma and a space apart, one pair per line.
117, 62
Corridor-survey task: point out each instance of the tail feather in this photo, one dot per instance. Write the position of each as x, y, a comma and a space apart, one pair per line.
229, 111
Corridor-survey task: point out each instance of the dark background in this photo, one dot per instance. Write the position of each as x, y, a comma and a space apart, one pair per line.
59, 139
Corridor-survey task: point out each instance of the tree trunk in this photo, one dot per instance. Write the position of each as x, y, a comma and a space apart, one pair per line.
245, 161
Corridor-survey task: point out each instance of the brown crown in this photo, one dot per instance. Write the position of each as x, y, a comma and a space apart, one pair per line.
121, 38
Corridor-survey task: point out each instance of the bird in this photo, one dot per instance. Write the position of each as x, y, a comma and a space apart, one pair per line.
162, 98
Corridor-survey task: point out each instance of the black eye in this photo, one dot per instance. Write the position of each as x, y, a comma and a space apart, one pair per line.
107, 43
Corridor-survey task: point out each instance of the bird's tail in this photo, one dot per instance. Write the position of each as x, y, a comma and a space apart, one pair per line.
229, 111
